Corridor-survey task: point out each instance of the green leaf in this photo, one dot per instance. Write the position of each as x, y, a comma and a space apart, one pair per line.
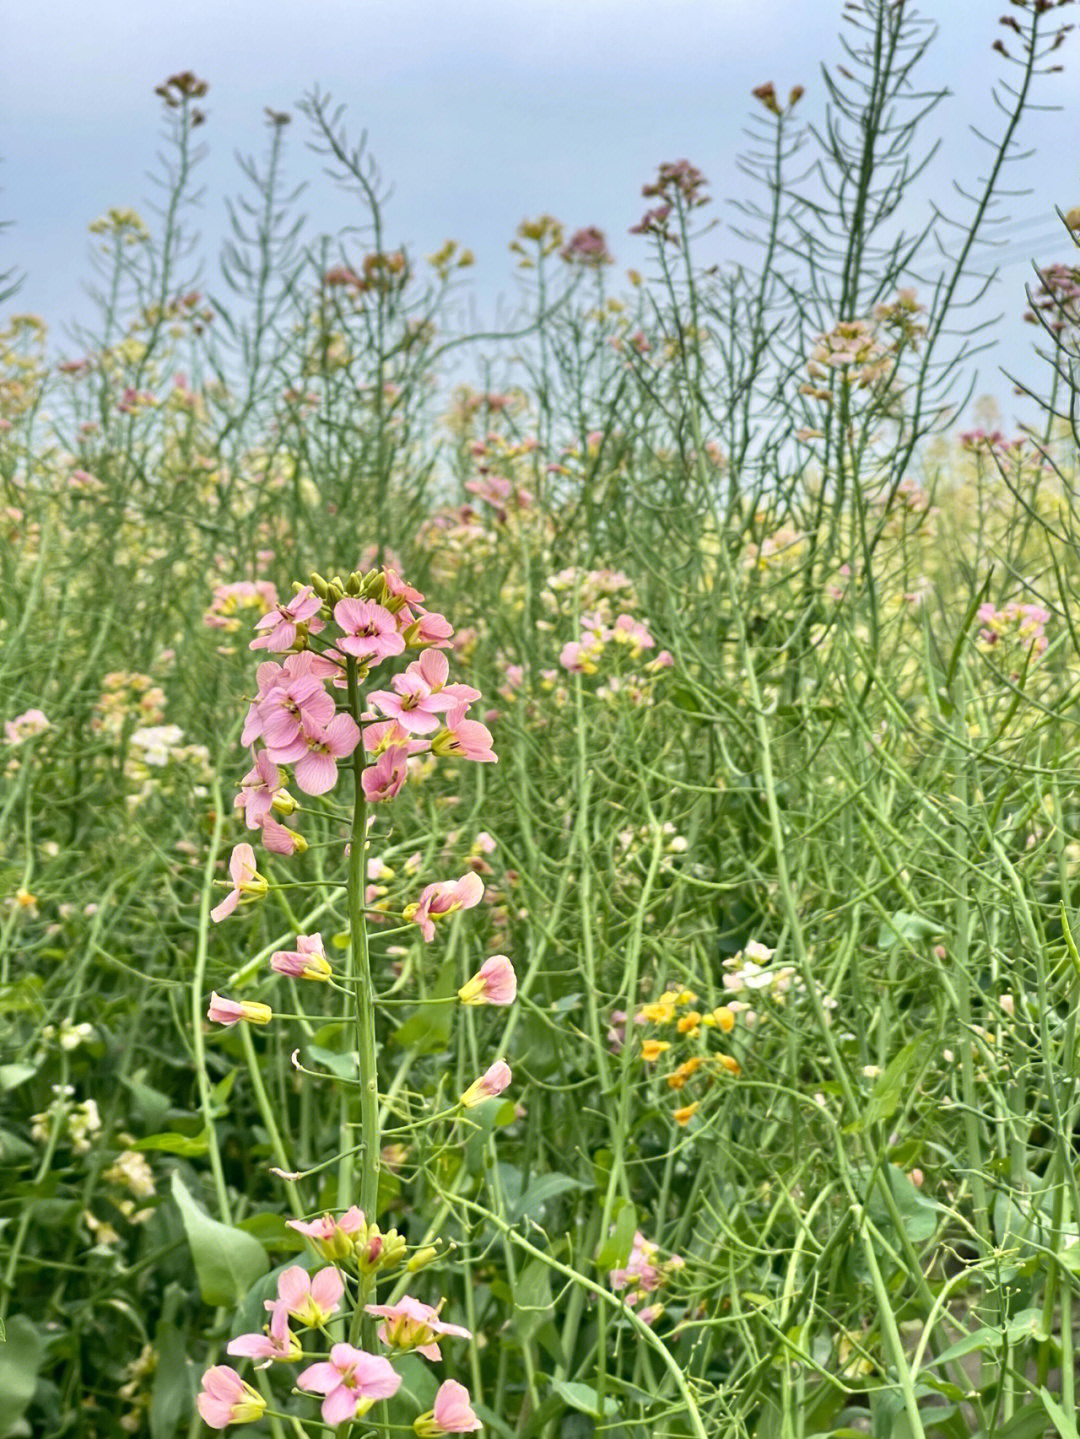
532, 1299
190, 1146
584, 1398
540, 1192
1064, 1425
14, 1150
20, 1359
428, 1030
891, 1086
902, 925
227, 1261
12, 1075
971, 1343
615, 1250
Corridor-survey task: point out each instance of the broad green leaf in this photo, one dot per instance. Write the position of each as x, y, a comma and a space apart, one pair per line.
891, 1086
540, 1192
903, 926
21, 1356
1064, 1425
12, 1075
227, 1261
584, 1398
615, 1250
981, 1339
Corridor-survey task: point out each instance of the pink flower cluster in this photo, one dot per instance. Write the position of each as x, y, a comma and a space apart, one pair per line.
299, 723
1057, 300
25, 726
230, 600
350, 1380
643, 1275
678, 185
1024, 625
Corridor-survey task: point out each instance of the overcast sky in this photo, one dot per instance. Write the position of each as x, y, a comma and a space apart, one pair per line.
480, 113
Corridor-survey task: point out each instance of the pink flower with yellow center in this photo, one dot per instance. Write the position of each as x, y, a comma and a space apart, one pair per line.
232, 1011
443, 898
248, 883
409, 1324
352, 1381
283, 621
307, 961
310, 1300
226, 1399
463, 738
452, 1413
383, 779
489, 1086
494, 983
333, 1238
370, 630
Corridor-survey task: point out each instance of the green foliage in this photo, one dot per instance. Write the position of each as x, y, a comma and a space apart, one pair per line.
792, 915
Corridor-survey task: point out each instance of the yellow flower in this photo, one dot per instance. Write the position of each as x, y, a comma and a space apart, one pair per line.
658, 1013
688, 1067
686, 1113
652, 1049
690, 1023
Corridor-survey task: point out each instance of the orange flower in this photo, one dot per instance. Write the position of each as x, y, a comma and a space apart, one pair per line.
688, 1067
684, 1115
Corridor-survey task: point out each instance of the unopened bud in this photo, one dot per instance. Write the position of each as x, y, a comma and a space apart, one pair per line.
797, 92
319, 585
353, 585
1072, 218
422, 1258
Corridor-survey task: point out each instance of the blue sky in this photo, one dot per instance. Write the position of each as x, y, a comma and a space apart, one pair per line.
479, 113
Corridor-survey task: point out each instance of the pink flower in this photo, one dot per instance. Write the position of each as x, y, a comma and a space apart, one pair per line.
422, 694
333, 1238
291, 703
640, 1274
25, 726
226, 1399
247, 881
443, 898
489, 1086
257, 790
425, 628
397, 587
384, 733
452, 1414
307, 961
370, 630
280, 840
464, 738
316, 772
494, 983
282, 622
277, 1341
384, 778
232, 1011
310, 1301
409, 706
409, 1324
352, 1381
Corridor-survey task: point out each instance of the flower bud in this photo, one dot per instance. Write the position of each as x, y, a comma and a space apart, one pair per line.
422, 1258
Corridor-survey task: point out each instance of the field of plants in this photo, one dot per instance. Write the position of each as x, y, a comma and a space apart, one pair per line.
540, 869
